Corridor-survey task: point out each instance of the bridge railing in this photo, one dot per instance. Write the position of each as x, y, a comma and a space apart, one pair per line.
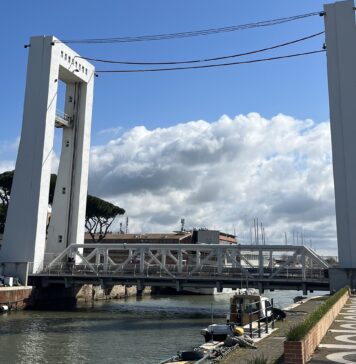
62, 119
187, 260
156, 271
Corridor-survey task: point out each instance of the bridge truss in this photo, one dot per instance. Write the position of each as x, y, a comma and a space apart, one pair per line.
187, 265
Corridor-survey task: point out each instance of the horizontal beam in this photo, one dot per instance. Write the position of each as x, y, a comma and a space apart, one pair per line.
183, 283
199, 247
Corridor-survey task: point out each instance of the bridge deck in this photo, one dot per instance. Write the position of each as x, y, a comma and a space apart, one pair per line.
182, 266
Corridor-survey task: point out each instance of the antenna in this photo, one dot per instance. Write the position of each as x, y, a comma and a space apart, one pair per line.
182, 223
264, 236
254, 230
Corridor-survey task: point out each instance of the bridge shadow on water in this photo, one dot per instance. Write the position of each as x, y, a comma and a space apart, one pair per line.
86, 320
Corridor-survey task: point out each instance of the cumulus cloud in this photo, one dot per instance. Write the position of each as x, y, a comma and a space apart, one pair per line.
8, 149
223, 174
6, 165
110, 131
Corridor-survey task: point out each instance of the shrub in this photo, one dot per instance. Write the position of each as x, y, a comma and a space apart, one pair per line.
299, 331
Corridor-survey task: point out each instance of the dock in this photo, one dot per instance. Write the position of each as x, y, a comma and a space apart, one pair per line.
271, 347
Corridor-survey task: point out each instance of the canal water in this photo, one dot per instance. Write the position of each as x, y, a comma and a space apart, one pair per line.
128, 331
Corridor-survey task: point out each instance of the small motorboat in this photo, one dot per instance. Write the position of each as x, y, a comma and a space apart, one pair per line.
248, 306
219, 332
4, 308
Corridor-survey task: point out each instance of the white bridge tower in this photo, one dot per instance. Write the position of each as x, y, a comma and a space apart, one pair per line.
340, 31
27, 237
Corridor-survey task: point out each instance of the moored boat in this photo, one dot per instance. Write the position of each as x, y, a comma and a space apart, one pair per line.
4, 308
219, 332
249, 306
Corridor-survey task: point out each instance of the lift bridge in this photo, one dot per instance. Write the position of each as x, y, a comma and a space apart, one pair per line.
179, 266
183, 266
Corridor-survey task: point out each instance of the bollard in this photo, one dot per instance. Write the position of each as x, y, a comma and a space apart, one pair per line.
266, 319
259, 323
250, 324
272, 313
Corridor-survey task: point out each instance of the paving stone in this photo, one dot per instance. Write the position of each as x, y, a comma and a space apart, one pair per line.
340, 339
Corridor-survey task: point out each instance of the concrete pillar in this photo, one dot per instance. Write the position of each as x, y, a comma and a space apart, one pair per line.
25, 231
341, 60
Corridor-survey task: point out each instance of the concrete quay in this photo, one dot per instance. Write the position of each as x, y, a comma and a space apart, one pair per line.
339, 344
271, 347
20, 297
15, 297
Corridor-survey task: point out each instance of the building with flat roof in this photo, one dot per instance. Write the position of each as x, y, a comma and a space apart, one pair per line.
201, 236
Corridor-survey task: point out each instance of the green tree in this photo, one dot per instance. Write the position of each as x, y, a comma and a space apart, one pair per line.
3, 211
5, 191
5, 186
6, 179
100, 215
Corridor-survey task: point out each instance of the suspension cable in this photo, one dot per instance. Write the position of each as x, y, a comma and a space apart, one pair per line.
203, 59
212, 65
204, 32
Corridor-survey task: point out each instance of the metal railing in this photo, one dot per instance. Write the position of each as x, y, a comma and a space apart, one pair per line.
62, 119
262, 324
256, 321
62, 115
189, 261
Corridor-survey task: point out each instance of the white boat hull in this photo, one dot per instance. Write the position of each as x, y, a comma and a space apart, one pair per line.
209, 291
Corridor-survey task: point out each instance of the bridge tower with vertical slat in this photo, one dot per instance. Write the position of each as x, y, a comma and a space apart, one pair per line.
28, 236
340, 31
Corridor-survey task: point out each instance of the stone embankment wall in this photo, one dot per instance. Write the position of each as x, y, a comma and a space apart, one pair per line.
15, 297
299, 352
90, 292
27, 296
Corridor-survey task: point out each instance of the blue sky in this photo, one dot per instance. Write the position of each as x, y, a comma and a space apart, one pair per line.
296, 87
219, 147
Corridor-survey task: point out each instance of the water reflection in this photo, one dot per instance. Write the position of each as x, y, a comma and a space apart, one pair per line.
124, 331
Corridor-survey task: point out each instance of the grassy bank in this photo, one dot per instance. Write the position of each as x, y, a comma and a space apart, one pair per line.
299, 331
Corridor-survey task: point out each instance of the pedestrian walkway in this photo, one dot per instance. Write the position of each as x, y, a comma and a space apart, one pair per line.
339, 344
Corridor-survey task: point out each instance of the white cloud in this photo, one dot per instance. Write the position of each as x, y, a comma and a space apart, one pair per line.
6, 165
8, 149
111, 131
222, 175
